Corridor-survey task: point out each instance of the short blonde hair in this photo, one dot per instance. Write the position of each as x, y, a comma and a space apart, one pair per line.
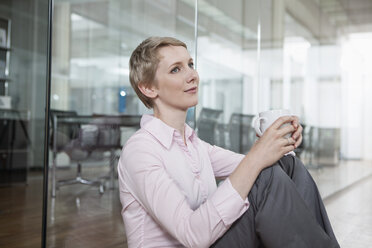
144, 62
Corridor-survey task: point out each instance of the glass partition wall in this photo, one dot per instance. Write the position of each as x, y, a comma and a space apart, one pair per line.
92, 101
251, 56
23, 92
311, 57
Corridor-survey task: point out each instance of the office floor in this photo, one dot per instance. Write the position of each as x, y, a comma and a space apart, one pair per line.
351, 215
347, 193
80, 217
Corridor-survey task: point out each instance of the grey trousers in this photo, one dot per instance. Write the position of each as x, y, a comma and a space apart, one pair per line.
285, 211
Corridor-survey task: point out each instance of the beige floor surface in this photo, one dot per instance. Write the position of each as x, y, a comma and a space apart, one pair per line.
347, 193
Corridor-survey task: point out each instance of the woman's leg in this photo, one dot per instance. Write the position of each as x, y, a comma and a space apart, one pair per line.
308, 190
285, 211
242, 233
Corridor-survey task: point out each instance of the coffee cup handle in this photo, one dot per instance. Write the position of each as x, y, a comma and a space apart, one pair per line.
257, 125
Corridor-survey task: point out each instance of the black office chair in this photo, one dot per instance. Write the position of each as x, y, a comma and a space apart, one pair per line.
305, 141
310, 147
241, 133
329, 146
65, 133
78, 142
109, 138
207, 124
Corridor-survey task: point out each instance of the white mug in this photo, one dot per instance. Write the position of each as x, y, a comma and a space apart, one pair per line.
265, 119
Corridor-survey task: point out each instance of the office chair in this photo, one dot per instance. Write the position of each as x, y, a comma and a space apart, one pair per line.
329, 146
241, 133
78, 142
207, 124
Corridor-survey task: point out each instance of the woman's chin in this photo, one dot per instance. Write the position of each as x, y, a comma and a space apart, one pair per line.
194, 103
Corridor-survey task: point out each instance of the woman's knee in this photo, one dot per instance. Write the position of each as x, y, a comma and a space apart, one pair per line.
270, 181
280, 174
272, 174
292, 165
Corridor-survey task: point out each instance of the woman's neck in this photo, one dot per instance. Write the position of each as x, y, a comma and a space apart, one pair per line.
173, 118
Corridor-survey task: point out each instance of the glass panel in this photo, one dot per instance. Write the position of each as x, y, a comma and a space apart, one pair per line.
300, 75
227, 65
23, 80
94, 105
314, 62
290, 65
312, 57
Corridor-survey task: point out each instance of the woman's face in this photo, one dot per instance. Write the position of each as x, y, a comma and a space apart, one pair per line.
176, 79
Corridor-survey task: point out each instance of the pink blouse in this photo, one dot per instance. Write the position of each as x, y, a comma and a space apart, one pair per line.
168, 189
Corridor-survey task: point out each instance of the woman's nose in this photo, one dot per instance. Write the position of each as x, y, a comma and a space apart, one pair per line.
192, 75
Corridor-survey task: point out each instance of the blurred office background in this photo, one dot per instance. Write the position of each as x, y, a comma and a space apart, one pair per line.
312, 57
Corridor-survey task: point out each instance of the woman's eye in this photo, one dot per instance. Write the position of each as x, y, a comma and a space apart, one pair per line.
191, 65
175, 70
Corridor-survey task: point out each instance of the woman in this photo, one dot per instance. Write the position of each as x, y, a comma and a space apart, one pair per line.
167, 174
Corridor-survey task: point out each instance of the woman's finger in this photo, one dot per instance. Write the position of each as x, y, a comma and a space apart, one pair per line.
287, 149
298, 141
282, 120
288, 141
286, 129
297, 133
296, 122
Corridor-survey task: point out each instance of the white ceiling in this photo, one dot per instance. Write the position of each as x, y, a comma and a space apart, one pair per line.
116, 26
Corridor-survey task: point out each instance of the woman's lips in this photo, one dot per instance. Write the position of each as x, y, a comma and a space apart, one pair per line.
192, 90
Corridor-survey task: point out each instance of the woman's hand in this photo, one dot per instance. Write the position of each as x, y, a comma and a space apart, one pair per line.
268, 149
297, 134
272, 145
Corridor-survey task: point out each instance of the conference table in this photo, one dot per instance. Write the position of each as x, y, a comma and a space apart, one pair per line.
90, 132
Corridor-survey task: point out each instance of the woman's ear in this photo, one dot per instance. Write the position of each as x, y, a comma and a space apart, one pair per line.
148, 90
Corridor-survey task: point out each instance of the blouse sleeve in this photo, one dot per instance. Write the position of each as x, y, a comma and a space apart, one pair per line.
223, 161
143, 173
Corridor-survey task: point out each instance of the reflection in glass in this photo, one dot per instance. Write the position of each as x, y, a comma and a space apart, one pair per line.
312, 57
23, 80
93, 102
227, 65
